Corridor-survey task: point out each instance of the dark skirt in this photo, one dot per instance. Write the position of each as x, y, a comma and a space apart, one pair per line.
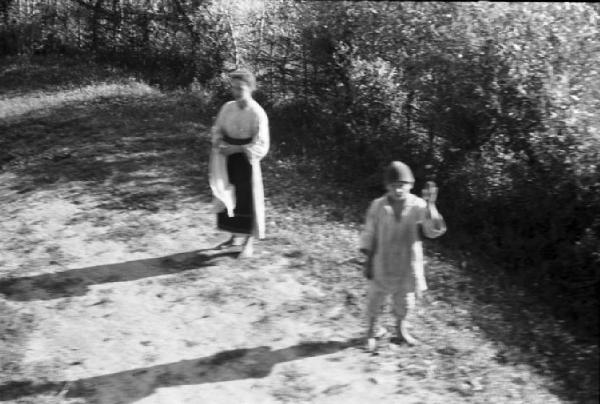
239, 171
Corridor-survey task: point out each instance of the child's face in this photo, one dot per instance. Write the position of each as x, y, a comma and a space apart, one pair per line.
399, 190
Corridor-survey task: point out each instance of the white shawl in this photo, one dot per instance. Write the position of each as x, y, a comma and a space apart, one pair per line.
223, 191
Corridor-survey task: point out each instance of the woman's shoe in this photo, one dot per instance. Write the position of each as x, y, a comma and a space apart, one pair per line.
371, 345
225, 244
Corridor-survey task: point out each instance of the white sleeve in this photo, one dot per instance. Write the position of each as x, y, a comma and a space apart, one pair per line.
217, 128
259, 146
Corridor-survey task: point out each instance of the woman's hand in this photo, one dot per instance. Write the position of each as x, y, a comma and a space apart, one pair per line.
418, 294
228, 149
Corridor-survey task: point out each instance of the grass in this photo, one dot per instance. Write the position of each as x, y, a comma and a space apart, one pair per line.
26, 75
15, 327
41, 101
115, 142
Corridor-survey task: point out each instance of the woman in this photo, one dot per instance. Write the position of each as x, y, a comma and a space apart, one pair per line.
240, 139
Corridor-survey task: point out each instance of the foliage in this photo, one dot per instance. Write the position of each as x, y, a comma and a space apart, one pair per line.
167, 42
495, 101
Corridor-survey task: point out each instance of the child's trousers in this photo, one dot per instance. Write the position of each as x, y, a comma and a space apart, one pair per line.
402, 302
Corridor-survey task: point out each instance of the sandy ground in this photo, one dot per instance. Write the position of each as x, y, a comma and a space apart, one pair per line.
154, 319
110, 292
131, 308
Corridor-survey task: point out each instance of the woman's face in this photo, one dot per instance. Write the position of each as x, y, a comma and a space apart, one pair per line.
240, 89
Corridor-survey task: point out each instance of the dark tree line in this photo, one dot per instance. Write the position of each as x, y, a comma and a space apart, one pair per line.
168, 42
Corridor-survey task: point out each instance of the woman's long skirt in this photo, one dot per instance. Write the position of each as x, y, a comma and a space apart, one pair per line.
239, 171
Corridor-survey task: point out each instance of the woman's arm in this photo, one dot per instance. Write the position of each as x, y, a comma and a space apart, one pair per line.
217, 128
218, 131
258, 148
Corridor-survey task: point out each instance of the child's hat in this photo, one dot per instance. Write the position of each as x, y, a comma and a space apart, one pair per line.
398, 171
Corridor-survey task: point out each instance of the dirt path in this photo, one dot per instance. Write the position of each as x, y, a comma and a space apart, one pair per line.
150, 319
109, 292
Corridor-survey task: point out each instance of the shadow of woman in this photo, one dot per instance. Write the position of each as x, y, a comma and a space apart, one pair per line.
76, 282
132, 385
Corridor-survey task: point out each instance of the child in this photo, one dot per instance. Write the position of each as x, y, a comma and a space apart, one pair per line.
395, 225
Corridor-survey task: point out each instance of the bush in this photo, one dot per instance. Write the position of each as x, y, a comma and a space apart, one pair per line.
480, 98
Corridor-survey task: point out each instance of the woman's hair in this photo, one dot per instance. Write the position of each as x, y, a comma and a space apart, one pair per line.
244, 75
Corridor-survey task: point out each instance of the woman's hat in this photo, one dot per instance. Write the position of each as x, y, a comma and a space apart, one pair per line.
244, 75
398, 171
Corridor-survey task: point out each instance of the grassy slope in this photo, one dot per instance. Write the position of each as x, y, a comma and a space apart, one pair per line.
128, 156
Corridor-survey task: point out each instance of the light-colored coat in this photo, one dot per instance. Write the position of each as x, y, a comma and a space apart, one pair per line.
396, 245
238, 123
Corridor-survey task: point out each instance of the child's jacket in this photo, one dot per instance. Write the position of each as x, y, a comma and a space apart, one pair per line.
396, 244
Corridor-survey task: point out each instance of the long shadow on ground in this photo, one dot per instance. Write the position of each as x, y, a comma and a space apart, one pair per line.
120, 149
76, 282
132, 385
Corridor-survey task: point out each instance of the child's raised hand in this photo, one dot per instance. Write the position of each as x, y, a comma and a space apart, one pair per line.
430, 192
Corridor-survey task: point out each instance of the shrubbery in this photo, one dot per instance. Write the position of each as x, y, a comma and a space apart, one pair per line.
493, 101
497, 102
167, 43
